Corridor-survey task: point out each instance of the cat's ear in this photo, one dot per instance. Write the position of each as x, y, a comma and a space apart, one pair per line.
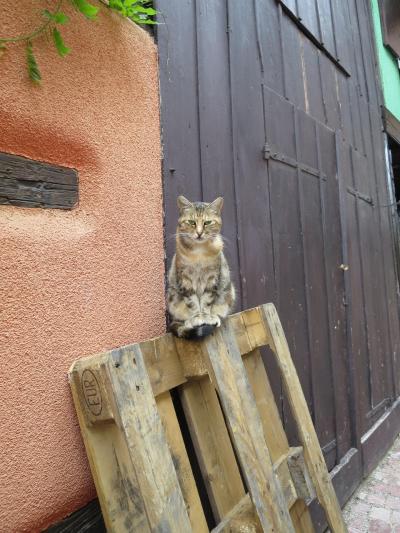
183, 203
216, 205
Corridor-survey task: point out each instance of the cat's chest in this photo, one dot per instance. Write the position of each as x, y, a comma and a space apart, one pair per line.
200, 277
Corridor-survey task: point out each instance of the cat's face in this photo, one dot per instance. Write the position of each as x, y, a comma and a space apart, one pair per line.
199, 221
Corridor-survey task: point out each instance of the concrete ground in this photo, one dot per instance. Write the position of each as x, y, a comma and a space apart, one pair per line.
375, 506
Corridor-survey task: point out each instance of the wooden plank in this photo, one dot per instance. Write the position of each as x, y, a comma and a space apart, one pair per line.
309, 17
288, 255
274, 433
145, 436
110, 463
249, 332
330, 201
182, 464
163, 365
215, 135
312, 58
299, 473
243, 515
269, 36
326, 23
213, 446
301, 517
312, 452
341, 27
293, 65
320, 366
28, 183
176, 38
171, 361
246, 78
241, 518
88, 518
229, 377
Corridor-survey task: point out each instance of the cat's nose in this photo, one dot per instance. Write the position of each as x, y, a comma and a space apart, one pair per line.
199, 234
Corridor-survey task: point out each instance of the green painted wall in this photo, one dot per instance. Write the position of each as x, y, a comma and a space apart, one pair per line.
390, 73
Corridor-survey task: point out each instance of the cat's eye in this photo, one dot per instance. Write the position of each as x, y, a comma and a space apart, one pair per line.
191, 222
208, 222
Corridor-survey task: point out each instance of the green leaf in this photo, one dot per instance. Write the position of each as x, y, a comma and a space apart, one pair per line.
118, 6
59, 43
3, 49
139, 20
33, 67
90, 11
58, 18
147, 10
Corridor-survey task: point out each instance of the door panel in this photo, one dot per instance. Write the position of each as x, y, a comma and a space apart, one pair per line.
281, 116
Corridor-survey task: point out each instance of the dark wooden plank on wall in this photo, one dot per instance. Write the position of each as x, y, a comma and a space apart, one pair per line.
340, 22
315, 99
216, 135
269, 41
88, 519
180, 118
327, 26
307, 12
334, 259
28, 183
250, 171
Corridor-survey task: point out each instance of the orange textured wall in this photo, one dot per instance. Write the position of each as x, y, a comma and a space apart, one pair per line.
79, 282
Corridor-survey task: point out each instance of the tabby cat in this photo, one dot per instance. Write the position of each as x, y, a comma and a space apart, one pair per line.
200, 292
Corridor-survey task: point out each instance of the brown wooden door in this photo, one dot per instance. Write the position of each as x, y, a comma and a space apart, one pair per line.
278, 110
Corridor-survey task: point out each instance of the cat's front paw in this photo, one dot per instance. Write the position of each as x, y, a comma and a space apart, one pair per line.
215, 321
211, 320
194, 322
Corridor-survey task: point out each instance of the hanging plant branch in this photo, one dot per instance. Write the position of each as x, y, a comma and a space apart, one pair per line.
139, 11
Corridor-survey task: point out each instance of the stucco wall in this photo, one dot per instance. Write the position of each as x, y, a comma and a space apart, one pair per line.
73, 283
390, 73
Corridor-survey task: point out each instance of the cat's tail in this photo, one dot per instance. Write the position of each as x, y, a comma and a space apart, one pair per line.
193, 334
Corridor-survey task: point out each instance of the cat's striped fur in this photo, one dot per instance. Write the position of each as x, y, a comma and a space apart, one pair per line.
200, 292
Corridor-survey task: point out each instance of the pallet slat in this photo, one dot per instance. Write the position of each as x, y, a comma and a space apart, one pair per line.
227, 371
182, 463
312, 451
147, 444
213, 446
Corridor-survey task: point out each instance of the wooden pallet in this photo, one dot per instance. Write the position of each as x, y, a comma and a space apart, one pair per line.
254, 480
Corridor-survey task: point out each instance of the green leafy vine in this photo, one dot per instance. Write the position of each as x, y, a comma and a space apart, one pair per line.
139, 11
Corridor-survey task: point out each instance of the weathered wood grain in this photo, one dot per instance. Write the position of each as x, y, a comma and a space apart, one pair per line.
274, 433
213, 446
242, 517
182, 464
28, 183
111, 466
312, 451
148, 448
228, 374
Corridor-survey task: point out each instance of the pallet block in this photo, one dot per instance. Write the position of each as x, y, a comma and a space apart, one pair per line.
254, 480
